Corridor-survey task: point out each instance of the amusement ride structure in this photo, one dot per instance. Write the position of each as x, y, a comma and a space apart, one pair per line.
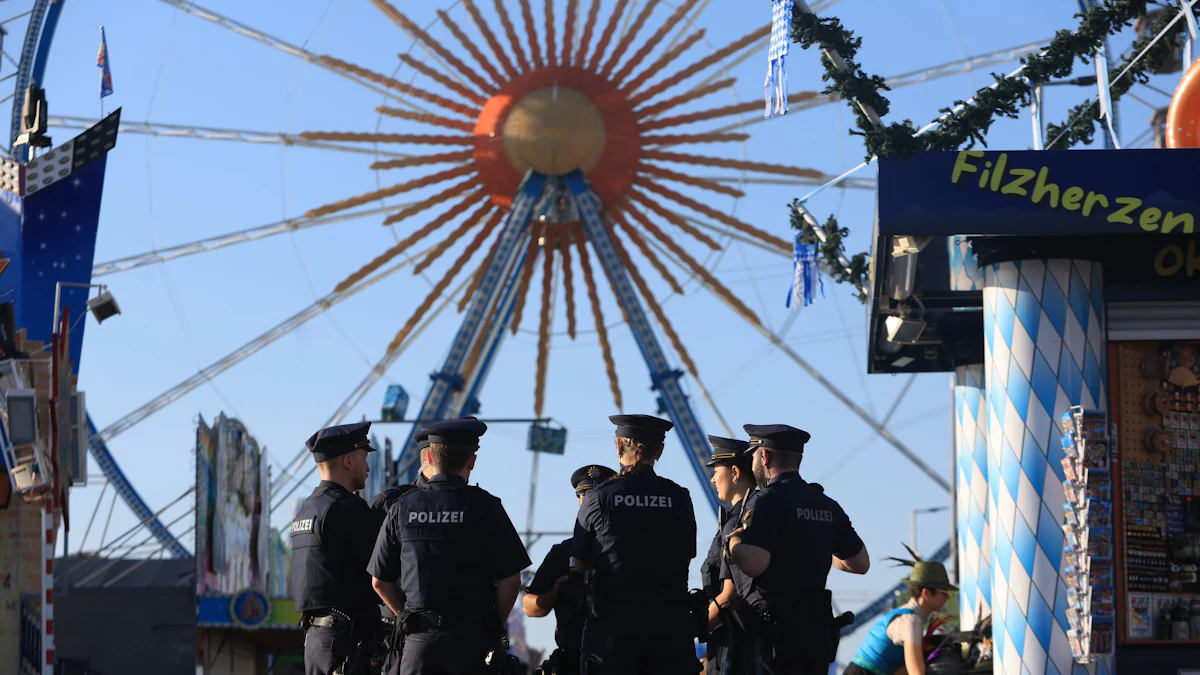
566, 143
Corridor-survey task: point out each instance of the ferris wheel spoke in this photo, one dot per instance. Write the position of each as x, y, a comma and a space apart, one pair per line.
214, 134
703, 184
490, 37
607, 34
240, 354
545, 323
662, 140
569, 31
531, 33
648, 46
467, 44
627, 39
426, 204
849, 183
425, 160
426, 118
673, 218
449, 83
162, 255
740, 237
667, 58
716, 113
589, 28
391, 191
686, 97
418, 34
745, 41
477, 278
589, 280
190, 7
551, 41
511, 33
522, 288
639, 242
469, 222
760, 167
710, 212
398, 86
372, 137
564, 238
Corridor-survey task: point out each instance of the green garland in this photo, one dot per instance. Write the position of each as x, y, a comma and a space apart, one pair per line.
831, 248
970, 124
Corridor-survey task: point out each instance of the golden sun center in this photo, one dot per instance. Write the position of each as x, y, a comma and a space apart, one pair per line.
554, 131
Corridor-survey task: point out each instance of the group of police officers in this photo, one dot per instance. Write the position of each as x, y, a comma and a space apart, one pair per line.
445, 559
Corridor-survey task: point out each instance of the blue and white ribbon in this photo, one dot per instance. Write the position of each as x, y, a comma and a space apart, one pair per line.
1105, 97
806, 278
781, 42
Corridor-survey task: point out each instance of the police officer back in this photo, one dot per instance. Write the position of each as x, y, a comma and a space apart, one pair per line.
780, 557
332, 537
637, 535
384, 500
733, 478
448, 560
556, 586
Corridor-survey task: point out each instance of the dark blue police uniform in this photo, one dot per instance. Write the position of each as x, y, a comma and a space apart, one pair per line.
446, 545
802, 528
384, 500
569, 612
332, 537
638, 532
722, 658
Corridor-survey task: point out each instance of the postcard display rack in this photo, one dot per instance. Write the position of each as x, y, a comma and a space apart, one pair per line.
1159, 411
1088, 550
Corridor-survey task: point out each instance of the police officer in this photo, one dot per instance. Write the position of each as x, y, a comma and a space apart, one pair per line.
555, 586
636, 533
733, 478
779, 557
448, 560
332, 537
384, 500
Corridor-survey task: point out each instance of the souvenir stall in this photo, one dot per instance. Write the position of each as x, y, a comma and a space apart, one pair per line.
1062, 291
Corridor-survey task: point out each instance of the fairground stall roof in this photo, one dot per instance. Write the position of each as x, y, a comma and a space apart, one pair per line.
1133, 210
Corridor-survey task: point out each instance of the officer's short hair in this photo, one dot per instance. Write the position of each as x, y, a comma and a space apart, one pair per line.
644, 449
745, 464
451, 458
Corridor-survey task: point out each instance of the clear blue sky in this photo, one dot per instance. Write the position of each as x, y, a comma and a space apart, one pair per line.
174, 68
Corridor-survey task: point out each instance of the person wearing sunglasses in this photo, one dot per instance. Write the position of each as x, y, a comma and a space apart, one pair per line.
897, 639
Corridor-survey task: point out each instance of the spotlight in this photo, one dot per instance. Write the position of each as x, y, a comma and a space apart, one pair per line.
901, 329
103, 306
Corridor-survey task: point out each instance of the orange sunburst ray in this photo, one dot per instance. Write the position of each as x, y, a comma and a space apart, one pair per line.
569, 31
564, 239
522, 289
589, 280
685, 97
551, 44
426, 204
371, 137
497, 78
716, 113
628, 38
649, 45
589, 27
693, 139
425, 160
469, 222
400, 247
647, 253
702, 183
511, 33
490, 37
700, 65
392, 83
663, 61
745, 228
390, 191
426, 118
606, 36
535, 49
673, 218
546, 321
444, 282
417, 33
759, 167
449, 83
694, 265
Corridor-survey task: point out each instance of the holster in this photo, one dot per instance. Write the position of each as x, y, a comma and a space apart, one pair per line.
594, 595
698, 609
740, 616
802, 630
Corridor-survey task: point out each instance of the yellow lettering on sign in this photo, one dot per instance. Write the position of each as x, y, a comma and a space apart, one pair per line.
1149, 219
1122, 214
1173, 220
1070, 198
963, 164
1164, 268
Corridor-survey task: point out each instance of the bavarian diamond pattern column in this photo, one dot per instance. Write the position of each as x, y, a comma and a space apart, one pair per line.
1044, 351
965, 274
974, 531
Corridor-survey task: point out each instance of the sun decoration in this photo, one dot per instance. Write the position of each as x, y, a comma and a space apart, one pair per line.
556, 107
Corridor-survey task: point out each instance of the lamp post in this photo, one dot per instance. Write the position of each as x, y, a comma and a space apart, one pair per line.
102, 306
932, 509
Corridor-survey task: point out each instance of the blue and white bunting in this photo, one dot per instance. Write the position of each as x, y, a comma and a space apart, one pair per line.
781, 42
806, 278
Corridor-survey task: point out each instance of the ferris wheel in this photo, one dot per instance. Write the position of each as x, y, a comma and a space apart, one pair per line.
531, 153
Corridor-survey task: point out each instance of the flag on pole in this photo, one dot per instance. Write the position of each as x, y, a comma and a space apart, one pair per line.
106, 86
781, 42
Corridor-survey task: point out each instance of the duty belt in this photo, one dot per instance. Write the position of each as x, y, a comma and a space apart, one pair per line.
421, 620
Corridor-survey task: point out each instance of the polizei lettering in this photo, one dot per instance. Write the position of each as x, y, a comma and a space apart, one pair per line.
654, 501
819, 515
436, 517
302, 525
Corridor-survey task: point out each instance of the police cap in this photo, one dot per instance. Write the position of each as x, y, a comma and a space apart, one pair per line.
465, 431
726, 449
587, 477
422, 439
332, 442
777, 437
646, 428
